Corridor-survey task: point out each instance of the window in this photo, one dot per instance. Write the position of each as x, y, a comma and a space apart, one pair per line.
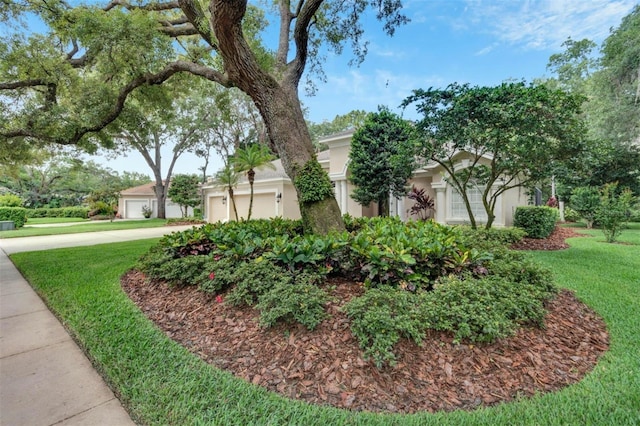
458, 209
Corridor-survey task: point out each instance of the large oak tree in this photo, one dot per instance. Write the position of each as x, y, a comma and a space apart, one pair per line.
66, 86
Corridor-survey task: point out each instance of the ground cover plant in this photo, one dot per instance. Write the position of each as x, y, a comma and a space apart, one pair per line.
160, 382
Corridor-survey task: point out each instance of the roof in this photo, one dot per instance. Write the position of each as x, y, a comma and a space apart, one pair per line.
267, 174
146, 189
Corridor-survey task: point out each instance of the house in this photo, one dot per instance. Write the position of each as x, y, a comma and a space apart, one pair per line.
275, 195
132, 201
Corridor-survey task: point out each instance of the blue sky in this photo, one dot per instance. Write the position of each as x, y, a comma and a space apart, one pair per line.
480, 42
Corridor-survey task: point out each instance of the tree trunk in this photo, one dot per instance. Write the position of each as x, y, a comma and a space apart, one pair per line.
279, 108
383, 206
287, 129
252, 177
161, 196
233, 202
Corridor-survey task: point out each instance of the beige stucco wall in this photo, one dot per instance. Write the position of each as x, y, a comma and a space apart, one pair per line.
266, 204
430, 177
138, 200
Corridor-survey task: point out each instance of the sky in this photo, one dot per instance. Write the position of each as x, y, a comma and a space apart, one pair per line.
480, 42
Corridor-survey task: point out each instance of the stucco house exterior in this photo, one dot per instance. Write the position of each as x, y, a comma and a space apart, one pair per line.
132, 201
275, 195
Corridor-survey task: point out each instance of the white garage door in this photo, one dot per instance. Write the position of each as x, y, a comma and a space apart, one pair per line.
133, 209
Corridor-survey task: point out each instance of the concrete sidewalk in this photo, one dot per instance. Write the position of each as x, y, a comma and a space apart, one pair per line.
45, 378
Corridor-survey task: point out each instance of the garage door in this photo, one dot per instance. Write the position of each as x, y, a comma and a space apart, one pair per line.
264, 206
133, 209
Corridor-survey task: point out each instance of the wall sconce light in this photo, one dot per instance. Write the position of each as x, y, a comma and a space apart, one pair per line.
279, 197
224, 199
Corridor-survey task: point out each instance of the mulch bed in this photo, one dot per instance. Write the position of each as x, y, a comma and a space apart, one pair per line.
555, 241
325, 366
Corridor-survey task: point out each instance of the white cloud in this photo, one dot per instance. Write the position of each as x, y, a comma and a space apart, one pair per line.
486, 49
544, 24
355, 90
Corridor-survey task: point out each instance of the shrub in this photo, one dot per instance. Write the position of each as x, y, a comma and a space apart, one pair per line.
251, 280
423, 205
302, 301
586, 201
381, 316
614, 210
176, 271
477, 309
310, 252
18, 215
571, 215
634, 214
388, 251
481, 291
79, 212
10, 200
538, 222
487, 239
472, 309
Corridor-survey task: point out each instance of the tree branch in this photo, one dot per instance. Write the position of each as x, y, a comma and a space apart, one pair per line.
301, 38
151, 6
195, 14
146, 79
21, 84
286, 17
185, 30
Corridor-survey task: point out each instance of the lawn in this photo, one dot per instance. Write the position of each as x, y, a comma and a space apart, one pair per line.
162, 383
92, 226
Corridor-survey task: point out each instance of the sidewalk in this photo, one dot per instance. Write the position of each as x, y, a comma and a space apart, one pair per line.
45, 378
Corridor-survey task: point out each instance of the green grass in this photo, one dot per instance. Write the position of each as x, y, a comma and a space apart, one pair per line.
48, 220
162, 383
93, 226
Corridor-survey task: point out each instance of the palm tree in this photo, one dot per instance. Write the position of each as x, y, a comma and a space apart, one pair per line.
254, 156
228, 179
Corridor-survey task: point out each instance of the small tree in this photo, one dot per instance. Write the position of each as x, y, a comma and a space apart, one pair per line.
250, 159
513, 135
382, 159
586, 201
228, 179
614, 210
183, 191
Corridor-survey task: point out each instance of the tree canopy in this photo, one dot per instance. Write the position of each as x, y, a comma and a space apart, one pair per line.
609, 80
513, 133
184, 192
67, 85
381, 159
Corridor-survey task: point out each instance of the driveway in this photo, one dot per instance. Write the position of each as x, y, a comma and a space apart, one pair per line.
48, 242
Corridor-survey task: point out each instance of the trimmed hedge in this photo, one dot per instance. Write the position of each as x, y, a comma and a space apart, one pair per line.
79, 212
537, 221
16, 214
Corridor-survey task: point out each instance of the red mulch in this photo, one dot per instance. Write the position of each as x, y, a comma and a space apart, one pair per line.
555, 241
325, 366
